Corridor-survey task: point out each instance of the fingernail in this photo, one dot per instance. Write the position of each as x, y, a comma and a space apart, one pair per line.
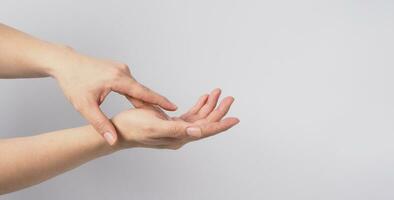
109, 137
194, 132
174, 106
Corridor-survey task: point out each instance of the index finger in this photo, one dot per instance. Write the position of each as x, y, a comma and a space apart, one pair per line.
139, 91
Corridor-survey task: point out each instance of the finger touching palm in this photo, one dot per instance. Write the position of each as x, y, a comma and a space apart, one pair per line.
204, 119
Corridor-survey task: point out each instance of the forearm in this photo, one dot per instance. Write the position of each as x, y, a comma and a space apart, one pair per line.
24, 56
30, 160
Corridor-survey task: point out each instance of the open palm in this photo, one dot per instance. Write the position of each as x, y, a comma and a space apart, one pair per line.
162, 131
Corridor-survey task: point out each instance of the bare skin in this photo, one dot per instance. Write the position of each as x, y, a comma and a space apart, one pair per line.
85, 81
27, 161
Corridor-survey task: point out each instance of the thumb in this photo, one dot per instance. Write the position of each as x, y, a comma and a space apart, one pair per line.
100, 122
172, 129
194, 132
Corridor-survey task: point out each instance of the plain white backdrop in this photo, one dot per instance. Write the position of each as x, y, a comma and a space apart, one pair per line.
313, 83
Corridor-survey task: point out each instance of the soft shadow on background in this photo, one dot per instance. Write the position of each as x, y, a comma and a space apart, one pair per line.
313, 83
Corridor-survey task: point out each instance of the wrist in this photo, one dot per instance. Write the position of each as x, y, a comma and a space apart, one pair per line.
56, 58
124, 143
125, 140
98, 143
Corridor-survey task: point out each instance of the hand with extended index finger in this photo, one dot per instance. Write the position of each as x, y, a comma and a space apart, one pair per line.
150, 127
86, 82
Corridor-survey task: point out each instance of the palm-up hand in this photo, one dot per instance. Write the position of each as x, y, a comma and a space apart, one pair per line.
148, 126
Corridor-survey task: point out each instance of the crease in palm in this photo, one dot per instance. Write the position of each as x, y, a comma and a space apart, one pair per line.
171, 132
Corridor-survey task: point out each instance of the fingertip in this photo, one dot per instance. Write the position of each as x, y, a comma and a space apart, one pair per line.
230, 99
232, 120
204, 97
202, 100
115, 135
216, 90
166, 104
110, 137
170, 107
175, 107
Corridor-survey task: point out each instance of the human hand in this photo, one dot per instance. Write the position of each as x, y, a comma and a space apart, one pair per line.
86, 82
150, 127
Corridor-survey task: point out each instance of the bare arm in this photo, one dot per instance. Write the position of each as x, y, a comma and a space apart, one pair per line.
85, 81
30, 160
23, 56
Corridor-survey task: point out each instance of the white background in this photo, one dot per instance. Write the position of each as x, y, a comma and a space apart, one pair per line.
313, 83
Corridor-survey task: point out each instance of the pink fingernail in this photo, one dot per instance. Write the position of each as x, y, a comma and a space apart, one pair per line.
174, 106
194, 132
109, 138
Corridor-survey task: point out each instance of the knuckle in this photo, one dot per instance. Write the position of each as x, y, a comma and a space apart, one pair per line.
174, 131
171, 132
123, 67
117, 73
100, 124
